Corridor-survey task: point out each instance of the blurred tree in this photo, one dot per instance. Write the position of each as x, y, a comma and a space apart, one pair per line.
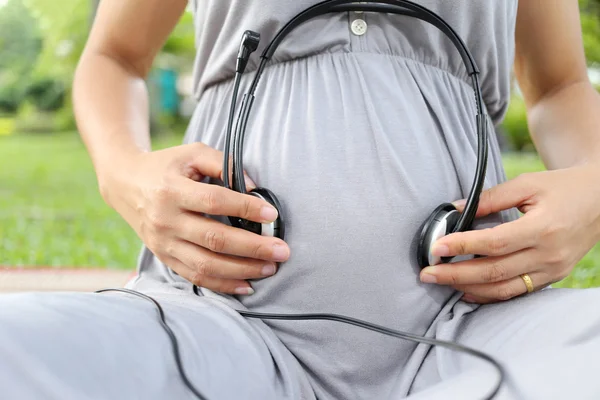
20, 45
46, 94
64, 27
590, 26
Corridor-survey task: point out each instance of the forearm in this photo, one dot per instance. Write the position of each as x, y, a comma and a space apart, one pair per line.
111, 108
565, 126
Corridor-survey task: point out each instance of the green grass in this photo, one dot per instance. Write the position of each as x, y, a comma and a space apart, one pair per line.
51, 212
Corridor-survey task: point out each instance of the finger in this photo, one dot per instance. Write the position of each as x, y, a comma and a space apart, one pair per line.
479, 270
249, 182
467, 298
206, 160
208, 263
229, 286
502, 239
220, 238
502, 291
512, 193
209, 162
217, 200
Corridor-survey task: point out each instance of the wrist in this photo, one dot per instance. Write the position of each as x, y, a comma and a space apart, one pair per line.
115, 171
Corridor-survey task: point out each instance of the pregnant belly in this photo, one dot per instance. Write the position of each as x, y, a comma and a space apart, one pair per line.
358, 168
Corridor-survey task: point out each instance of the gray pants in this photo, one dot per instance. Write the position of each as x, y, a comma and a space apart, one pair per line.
111, 346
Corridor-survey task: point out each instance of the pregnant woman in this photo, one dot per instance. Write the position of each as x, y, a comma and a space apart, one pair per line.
362, 125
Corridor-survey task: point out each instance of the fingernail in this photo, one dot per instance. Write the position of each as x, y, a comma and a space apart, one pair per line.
280, 253
244, 290
268, 270
440, 250
249, 183
428, 278
268, 213
459, 203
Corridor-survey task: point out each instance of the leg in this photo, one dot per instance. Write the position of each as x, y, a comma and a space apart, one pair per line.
548, 341
111, 346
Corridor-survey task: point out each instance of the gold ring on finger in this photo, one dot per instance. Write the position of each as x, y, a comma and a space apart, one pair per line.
528, 282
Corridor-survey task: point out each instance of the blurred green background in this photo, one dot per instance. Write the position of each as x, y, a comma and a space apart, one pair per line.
50, 211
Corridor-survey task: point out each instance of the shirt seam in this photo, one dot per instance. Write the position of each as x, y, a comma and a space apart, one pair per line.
307, 57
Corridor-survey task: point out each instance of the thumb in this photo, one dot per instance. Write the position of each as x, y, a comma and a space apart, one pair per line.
501, 197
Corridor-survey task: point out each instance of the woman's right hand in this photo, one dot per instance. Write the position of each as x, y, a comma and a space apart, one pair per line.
159, 194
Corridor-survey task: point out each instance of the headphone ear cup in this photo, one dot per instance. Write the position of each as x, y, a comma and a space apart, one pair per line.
440, 223
275, 228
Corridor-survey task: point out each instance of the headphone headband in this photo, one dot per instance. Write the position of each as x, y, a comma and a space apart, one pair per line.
401, 7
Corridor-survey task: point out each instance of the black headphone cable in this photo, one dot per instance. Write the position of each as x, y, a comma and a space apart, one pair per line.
172, 337
227, 150
314, 317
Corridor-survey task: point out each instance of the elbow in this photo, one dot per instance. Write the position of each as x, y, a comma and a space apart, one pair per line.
97, 64
538, 86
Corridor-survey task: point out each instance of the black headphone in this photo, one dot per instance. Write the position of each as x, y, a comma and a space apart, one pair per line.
445, 219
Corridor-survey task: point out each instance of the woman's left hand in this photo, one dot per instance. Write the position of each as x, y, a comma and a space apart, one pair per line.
561, 224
